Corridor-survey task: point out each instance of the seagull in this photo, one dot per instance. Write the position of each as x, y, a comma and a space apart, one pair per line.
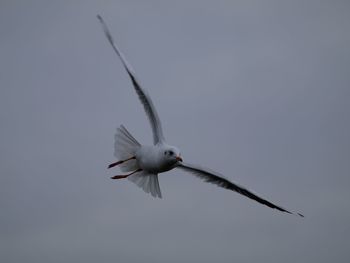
144, 162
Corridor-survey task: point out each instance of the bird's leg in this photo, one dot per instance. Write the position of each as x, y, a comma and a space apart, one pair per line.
120, 162
126, 175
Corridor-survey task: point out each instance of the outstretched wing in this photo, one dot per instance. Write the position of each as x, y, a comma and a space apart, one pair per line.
215, 178
143, 95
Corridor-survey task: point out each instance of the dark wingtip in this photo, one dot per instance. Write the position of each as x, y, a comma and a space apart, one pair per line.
301, 215
100, 19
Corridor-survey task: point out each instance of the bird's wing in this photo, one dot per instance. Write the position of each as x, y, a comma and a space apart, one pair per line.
216, 178
143, 95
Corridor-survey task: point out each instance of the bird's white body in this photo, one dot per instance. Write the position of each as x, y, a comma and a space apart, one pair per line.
152, 158
146, 162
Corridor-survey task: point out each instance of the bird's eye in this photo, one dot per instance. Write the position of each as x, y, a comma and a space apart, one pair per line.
165, 152
171, 152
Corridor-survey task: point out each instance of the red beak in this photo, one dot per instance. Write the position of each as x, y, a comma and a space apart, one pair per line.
178, 158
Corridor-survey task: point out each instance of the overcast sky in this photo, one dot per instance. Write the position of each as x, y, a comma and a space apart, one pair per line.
257, 90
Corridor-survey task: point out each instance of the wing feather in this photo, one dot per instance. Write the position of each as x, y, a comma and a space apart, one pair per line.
216, 178
142, 94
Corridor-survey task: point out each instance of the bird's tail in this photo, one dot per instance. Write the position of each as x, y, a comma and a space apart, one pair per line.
148, 182
125, 146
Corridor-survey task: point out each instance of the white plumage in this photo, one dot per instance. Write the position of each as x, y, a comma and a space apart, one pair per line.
125, 146
145, 162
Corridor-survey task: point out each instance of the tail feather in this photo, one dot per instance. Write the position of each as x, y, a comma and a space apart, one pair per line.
125, 146
148, 182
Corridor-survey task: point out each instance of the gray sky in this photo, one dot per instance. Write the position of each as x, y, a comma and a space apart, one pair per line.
257, 90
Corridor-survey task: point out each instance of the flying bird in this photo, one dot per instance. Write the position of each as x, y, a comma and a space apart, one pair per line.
143, 163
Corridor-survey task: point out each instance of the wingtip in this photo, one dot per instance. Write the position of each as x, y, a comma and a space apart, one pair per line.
100, 19
296, 214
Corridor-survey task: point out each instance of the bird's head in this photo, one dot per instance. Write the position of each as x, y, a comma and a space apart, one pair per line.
171, 155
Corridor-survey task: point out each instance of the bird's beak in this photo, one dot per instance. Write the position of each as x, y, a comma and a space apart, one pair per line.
178, 158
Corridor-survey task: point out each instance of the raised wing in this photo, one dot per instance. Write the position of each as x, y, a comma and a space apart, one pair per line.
143, 95
215, 178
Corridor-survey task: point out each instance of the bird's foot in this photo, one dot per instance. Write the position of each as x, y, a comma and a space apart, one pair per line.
120, 162
125, 175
